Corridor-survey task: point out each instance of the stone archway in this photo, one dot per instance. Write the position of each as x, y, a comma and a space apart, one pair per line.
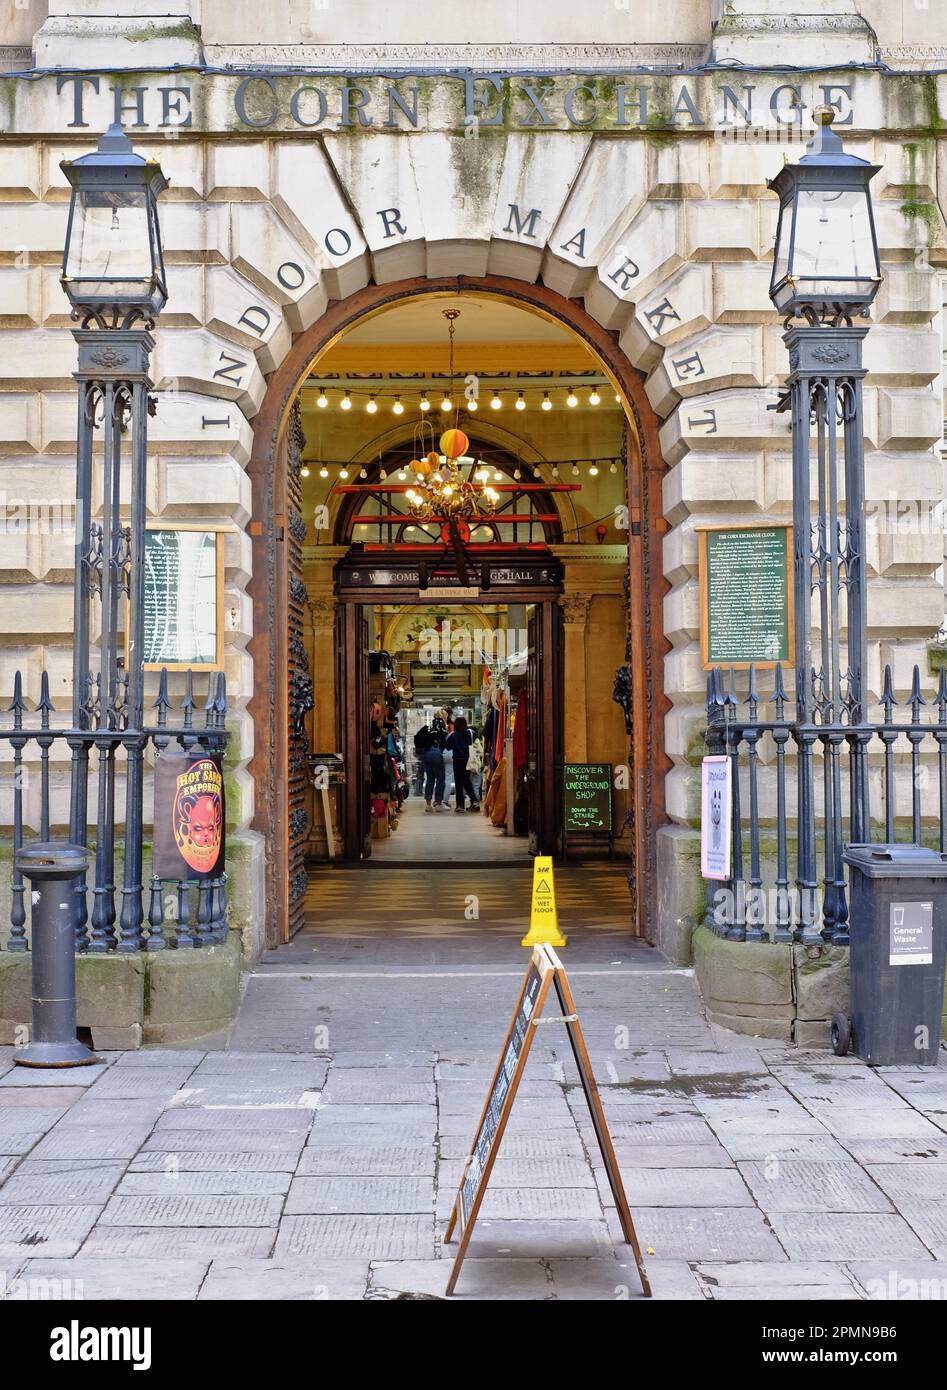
273, 522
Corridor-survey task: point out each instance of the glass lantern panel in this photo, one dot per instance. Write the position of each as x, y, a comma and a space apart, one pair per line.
833, 239
783, 242
110, 242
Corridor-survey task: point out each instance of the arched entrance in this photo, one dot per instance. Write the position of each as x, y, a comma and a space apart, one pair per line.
275, 512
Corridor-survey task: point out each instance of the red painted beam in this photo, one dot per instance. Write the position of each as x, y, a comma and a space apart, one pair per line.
369, 488
485, 549
501, 517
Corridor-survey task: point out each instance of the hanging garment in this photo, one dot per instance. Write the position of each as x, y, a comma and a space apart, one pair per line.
501, 729
520, 741
489, 738
498, 814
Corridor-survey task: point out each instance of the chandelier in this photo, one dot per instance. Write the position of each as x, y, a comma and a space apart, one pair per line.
444, 492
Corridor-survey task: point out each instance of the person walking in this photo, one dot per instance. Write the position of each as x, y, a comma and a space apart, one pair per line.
458, 745
428, 746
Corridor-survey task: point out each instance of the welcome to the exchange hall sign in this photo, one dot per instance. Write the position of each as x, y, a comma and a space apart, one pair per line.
268, 102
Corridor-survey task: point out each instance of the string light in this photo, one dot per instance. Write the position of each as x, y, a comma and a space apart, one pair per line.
496, 403
322, 400
446, 403
363, 472
472, 404
343, 473
397, 408
520, 402
594, 396
575, 470
613, 467
546, 403
424, 403
372, 406
402, 473
346, 402
517, 474
382, 473
304, 471
323, 472
572, 399
555, 470
593, 470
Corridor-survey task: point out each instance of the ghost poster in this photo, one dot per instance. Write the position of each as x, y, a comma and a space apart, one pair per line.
715, 817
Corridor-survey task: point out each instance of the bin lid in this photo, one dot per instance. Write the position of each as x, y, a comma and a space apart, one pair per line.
896, 861
52, 859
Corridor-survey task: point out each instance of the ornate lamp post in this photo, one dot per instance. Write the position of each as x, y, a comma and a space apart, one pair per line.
113, 275
826, 273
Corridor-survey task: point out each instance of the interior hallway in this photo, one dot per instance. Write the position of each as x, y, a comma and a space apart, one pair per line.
447, 838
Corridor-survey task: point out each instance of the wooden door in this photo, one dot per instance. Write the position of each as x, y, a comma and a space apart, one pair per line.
299, 690
544, 713
351, 651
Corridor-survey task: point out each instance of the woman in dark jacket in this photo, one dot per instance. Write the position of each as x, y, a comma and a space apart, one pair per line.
458, 745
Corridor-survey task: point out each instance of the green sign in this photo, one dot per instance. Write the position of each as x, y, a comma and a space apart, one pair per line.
588, 797
745, 595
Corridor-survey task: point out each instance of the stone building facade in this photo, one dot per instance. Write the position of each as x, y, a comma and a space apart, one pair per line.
609, 157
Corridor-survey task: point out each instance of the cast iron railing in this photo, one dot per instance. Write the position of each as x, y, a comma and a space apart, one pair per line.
181, 913
760, 901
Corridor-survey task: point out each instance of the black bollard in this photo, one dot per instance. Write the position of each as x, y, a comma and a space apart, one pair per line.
52, 869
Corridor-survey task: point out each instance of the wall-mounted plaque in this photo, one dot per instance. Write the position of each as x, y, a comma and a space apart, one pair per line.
184, 591
746, 612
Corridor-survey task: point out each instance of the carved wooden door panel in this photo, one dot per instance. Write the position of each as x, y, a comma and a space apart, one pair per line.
299, 689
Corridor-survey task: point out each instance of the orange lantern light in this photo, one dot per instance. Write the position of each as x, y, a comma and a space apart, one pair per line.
454, 443
423, 466
433, 458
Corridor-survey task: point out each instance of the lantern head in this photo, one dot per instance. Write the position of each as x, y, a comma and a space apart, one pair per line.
113, 266
825, 261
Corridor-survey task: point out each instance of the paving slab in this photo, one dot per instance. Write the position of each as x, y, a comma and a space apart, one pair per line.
908, 1280
246, 1141
377, 1092
47, 1229
616, 1279
15, 1097
247, 1119
929, 1220
771, 1282
93, 1141
95, 1110
664, 1155
69, 1186
377, 1160
178, 1183
285, 1281
423, 1117
522, 1144
511, 1280
160, 1057
180, 1210
820, 1235
262, 1098
727, 1119
184, 1242
360, 1195
888, 1124
132, 1083
686, 1062
52, 1076
378, 1237
657, 1129
875, 1150
86, 1277
28, 1119
524, 1239
679, 1187
804, 1185
524, 1172
911, 1181
794, 1148
214, 1160
704, 1233
530, 1203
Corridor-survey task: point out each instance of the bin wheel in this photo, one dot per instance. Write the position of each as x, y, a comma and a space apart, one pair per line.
841, 1034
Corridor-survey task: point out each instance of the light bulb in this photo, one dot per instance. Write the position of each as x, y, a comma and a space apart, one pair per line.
575, 470
382, 473
424, 403
572, 398
363, 472
593, 470
322, 400
613, 467
497, 476
372, 406
555, 470
346, 402
402, 473
397, 408
323, 472
594, 397
495, 402
343, 472
617, 398
446, 403
304, 471
517, 473
472, 404
520, 402
546, 403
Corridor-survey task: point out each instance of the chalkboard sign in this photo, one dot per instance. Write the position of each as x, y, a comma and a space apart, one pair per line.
746, 615
544, 970
587, 799
183, 608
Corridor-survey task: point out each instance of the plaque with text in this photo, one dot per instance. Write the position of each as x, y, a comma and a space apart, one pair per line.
183, 608
745, 575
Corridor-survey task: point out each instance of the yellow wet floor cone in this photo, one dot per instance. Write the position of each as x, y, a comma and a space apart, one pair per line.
543, 921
